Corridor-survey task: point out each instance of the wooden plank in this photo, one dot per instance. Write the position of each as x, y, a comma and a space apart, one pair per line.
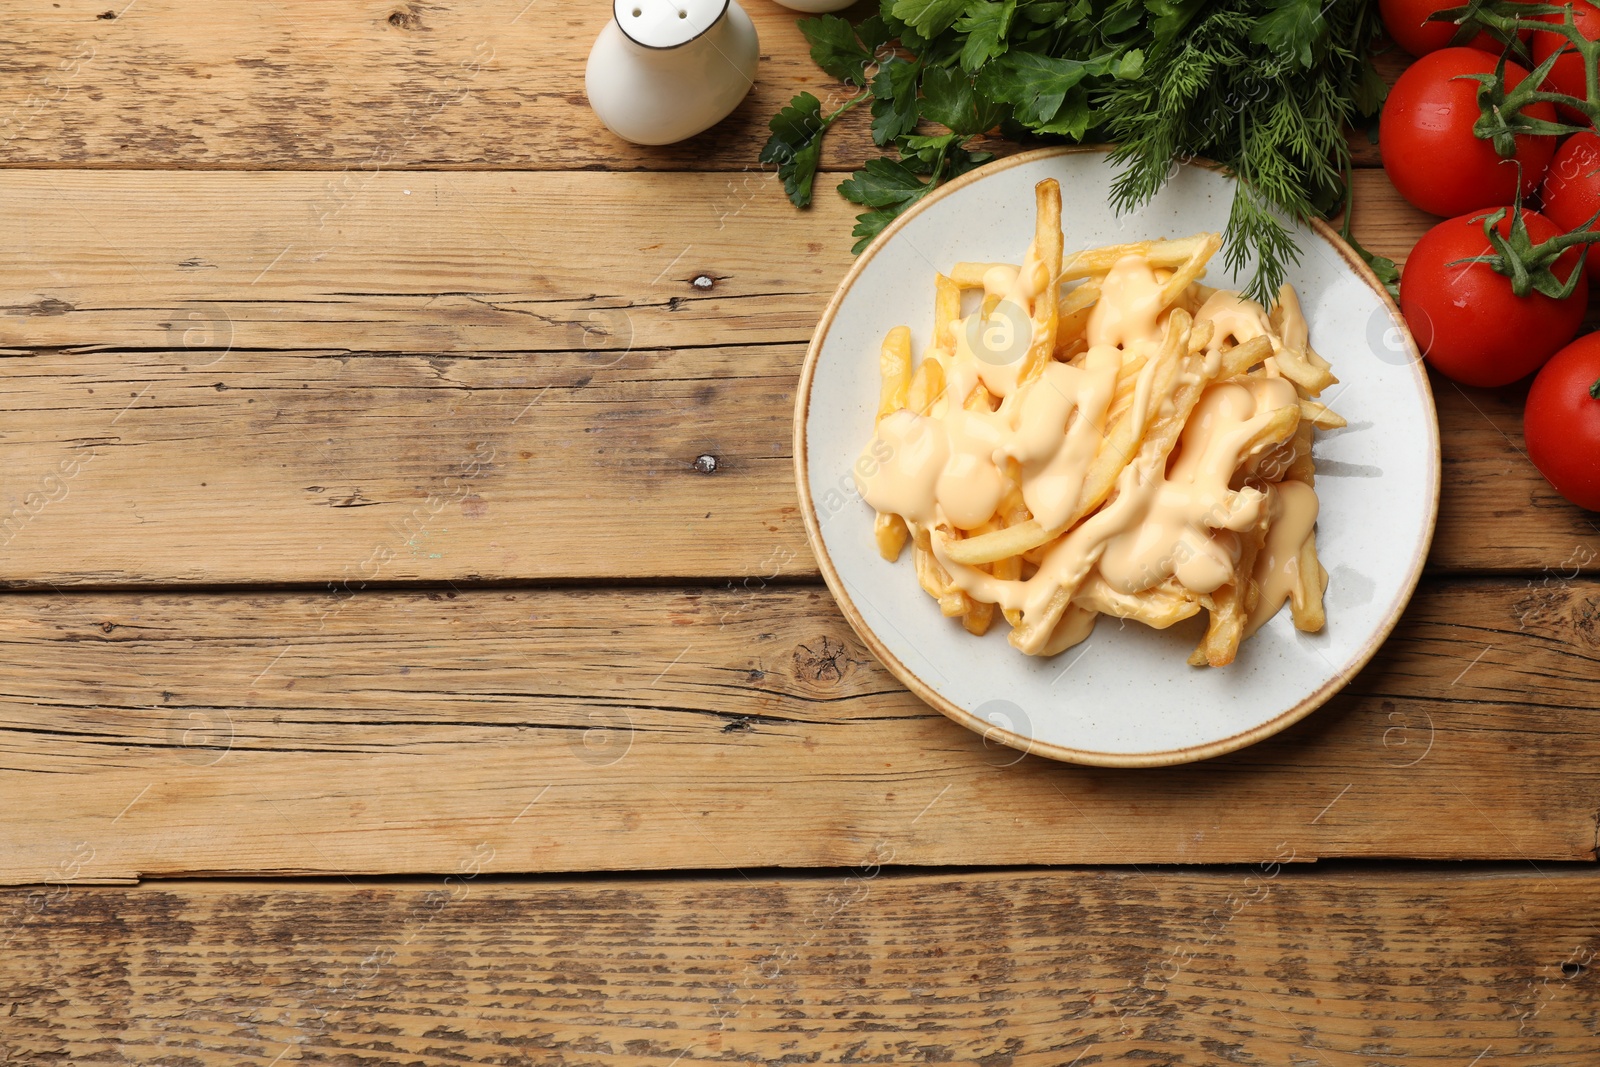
122, 467
369, 84
429, 263
437, 263
490, 84
383, 732
275, 383
1255, 966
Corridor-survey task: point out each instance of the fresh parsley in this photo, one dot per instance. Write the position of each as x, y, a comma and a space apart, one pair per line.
1267, 89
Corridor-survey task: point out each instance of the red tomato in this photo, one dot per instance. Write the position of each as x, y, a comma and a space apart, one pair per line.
1561, 423
1407, 22
1466, 319
1571, 192
1428, 146
1567, 75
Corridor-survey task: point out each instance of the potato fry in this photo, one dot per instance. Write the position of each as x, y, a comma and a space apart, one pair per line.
1133, 364
1311, 581
992, 547
1296, 359
1275, 429
1048, 241
894, 361
890, 533
927, 387
1080, 297
1076, 625
970, 275
1302, 468
1191, 269
946, 310
935, 580
1088, 263
1288, 318
1240, 358
978, 618
1230, 606
1158, 607
1301, 368
1321, 416
1044, 257
1073, 313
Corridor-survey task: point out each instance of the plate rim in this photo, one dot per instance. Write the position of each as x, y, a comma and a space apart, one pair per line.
1090, 757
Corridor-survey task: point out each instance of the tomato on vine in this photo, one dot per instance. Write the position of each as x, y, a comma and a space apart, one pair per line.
1408, 23
1490, 297
1567, 75
1570, 194
1430, 147
1561, 423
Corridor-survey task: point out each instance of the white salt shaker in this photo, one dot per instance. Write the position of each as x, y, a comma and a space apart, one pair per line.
663, 70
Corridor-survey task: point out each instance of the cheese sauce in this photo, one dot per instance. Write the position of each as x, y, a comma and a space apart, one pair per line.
946, 469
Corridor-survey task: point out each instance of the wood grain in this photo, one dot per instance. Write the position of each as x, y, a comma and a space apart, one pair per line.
447, 84
487, 84
262, 406
196, 264
384, 731
1264, 965
340, 467
421, 263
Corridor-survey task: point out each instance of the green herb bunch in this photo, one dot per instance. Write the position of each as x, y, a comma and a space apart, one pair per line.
1267, 89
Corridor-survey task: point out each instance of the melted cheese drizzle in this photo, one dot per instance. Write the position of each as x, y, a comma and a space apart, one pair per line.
944, 469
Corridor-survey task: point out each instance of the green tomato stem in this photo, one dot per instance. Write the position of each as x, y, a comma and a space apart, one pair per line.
1594, 390
1502, 118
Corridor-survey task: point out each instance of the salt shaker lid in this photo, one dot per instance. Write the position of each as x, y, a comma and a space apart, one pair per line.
666, 23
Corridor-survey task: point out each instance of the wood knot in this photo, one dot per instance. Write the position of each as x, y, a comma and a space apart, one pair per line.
703, 282
106, 15
405, 20
706, 464
825, 664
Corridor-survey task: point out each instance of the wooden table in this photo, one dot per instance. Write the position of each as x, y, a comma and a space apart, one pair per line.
391, 678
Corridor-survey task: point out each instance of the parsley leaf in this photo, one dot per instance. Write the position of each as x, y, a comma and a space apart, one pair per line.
928, 17
986, 24
895, 105
1037, 85
882, 182
950, 99
868, 225
1291, 28
836, 49
888, 187
796, 143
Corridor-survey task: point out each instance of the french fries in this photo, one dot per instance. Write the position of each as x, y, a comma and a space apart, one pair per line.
1130, 458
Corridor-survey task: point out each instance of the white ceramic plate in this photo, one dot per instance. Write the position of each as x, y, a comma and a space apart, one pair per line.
1125, 697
